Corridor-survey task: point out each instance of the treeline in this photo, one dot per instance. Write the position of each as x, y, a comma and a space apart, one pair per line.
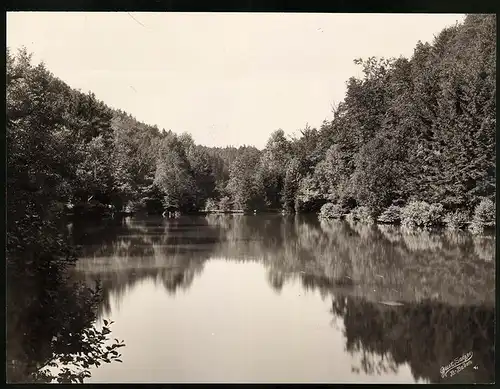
413, 140
66, 147
417, 131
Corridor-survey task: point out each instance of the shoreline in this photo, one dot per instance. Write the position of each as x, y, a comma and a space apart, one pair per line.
433, 228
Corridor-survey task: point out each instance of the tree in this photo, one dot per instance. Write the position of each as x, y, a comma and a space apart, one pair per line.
202, 165
174, 177
293, 176
375, 182
272, 168
243, 185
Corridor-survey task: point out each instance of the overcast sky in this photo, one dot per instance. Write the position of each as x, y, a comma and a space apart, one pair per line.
226, 78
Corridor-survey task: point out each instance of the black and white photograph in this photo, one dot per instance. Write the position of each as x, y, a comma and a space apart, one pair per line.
250, 197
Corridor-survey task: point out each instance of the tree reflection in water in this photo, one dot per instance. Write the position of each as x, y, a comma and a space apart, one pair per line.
444, 280
426, 335
51, 333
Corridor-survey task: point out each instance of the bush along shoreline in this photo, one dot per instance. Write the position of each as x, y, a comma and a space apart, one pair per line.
417, 214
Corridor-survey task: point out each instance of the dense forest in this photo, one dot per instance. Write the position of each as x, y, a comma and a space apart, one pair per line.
416, 132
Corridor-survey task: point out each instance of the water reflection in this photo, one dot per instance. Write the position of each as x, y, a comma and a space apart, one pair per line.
426, 335
170, 254
50, 327
443, 282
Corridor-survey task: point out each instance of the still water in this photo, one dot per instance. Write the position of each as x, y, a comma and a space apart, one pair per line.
289, 299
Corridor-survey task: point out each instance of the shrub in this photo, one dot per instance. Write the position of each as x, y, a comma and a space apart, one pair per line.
421, 214
485, 213
131, 206
476, 228
362, 214
484, 216
210, 205
331, 211
225, 204
457, 219
391, 215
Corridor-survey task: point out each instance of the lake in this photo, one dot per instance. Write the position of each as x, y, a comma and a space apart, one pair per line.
271, 298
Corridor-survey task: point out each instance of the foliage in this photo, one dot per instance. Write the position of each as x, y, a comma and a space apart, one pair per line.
291, 185
331, 211
211, 205
375, 180
272, 169
421, 214
456, 219
173, 175
309, 195
419, 128
51, 324
94, 352
202, 167
362, 214
58, 146
484, 215
392, 215
243, 186
225, 204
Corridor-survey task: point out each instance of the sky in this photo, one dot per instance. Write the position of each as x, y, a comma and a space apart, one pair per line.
226, 78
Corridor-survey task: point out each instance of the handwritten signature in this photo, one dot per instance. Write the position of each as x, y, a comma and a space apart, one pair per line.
457, 365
